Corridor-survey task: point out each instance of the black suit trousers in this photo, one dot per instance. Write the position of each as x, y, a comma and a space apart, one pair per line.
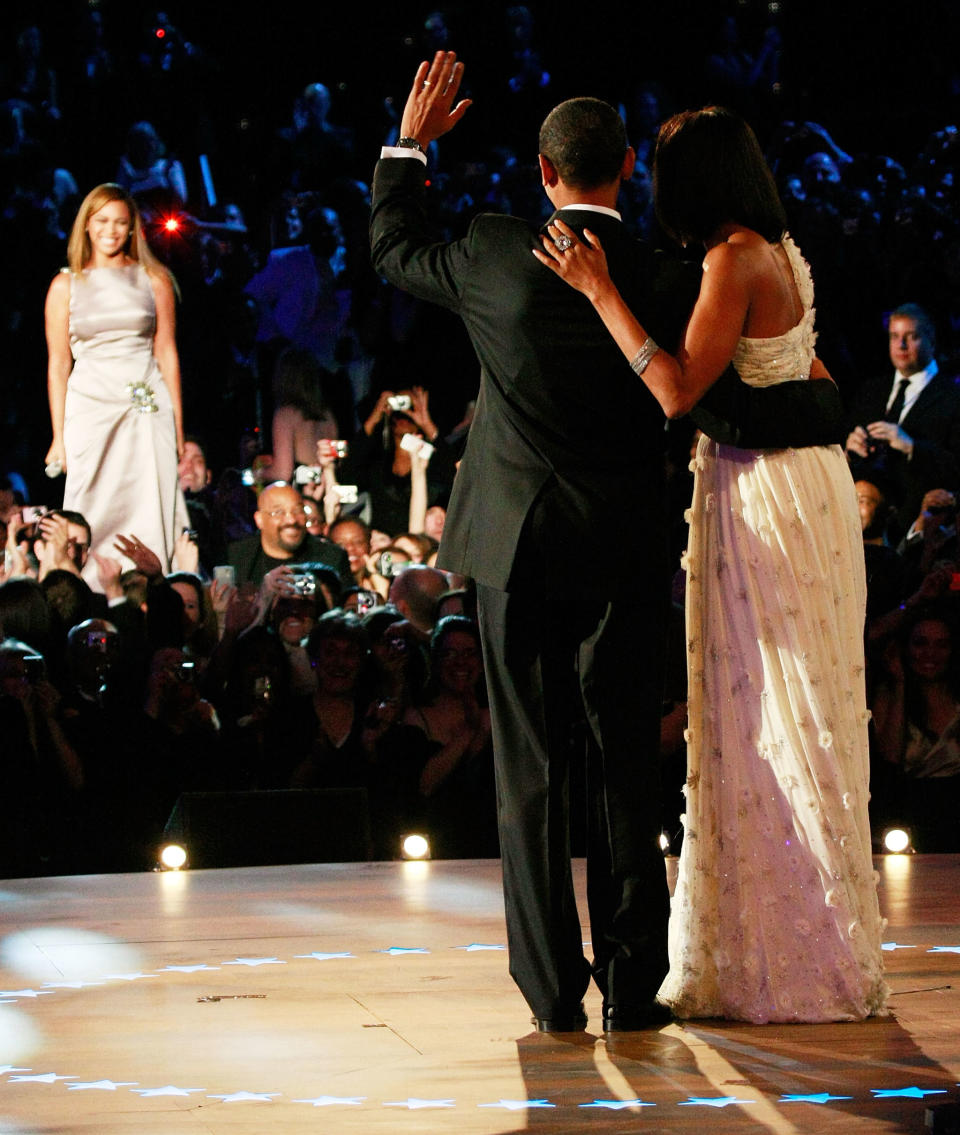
547, 663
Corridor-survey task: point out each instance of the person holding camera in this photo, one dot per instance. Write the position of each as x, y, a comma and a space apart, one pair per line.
381, 456
282, 544
907, 428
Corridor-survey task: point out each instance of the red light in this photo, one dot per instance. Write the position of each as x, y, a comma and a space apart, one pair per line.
171, 224
160, 33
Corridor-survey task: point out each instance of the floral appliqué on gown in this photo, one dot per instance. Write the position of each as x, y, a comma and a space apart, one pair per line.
775, 915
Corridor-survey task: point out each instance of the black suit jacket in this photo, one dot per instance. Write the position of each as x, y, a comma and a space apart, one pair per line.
564, 458
933, 422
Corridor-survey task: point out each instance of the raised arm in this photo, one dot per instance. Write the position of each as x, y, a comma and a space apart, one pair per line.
56, 314
712, 333
429, 111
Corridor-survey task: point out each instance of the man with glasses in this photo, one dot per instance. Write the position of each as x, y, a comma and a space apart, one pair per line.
282, 542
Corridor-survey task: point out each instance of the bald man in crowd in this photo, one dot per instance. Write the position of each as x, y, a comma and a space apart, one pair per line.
283, 540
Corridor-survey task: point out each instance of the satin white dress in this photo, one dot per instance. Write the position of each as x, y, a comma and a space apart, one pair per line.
119, 432
775, 915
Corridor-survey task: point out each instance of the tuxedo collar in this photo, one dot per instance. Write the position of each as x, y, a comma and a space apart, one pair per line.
596, 211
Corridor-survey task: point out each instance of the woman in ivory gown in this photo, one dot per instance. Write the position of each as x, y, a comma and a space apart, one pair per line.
775, 915
113, 380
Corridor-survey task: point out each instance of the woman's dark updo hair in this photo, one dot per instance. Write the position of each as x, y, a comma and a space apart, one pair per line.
708, 169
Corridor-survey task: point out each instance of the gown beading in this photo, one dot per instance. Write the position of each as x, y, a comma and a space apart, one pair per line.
775, 915
119, 433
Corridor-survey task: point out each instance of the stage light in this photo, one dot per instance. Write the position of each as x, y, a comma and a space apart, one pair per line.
664, 842
173, 856
171, 224
896, 841
415, 847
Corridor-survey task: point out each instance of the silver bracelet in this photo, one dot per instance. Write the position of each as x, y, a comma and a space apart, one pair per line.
641, 360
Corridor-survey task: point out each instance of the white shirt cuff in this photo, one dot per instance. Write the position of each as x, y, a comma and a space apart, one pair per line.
402, 152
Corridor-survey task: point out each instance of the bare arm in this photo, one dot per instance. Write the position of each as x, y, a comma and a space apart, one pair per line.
283, 430
417, 517
165, 349
712, 333
59, 360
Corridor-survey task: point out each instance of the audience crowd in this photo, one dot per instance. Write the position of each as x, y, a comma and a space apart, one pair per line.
306, 639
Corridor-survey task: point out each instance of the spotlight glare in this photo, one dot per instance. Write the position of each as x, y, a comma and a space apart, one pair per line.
664, 842
896, 841
173, 856
171, 224
415, 847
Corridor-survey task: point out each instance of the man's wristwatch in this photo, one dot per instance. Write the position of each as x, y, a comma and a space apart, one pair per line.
409, 144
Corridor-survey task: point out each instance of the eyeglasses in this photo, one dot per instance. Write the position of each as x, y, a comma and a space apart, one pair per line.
293, 513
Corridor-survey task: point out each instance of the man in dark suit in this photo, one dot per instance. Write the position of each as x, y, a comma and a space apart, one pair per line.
906, 427
565, 452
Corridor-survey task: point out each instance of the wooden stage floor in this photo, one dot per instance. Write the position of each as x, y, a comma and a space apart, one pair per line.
375, 997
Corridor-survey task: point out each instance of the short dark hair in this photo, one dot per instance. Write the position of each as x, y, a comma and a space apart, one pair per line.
708, 169
337, 624
921, 317
585, 141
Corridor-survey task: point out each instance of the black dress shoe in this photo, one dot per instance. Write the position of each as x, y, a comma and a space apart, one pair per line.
572, 1022
636, 1018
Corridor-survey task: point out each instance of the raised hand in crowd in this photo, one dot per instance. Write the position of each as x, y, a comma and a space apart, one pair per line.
419, 489
420, 412
186, 553
15, 561
109, 571
380, 409
144, 559
52, 548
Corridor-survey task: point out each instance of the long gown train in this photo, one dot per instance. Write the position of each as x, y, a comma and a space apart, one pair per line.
775, 915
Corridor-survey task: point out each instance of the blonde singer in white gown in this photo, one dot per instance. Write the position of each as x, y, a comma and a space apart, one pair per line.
775, 915
114, 382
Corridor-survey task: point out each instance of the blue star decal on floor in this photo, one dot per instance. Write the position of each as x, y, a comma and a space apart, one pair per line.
416, 1104
100, 1085
518, 1105
70, 984
711, 1101
617, 1105
243, 1097
478, 946
26, 993
256, 962
126, 976
394, 951
932, 950
332, 1101
896, 946
187, 969
818, 1097
45, 1078
166, 1090
909, 1093
321, 957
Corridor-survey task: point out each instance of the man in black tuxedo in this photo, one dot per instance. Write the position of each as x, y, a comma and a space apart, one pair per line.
906, 427
565, 452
